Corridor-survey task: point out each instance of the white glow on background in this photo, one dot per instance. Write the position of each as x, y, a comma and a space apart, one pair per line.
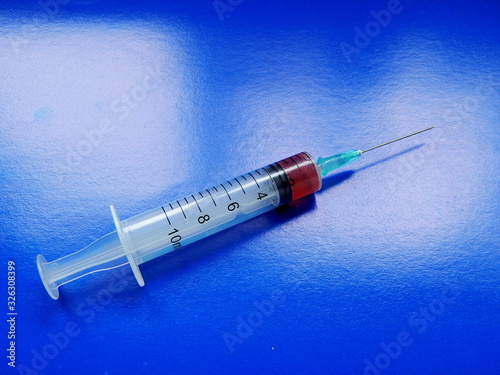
61, 86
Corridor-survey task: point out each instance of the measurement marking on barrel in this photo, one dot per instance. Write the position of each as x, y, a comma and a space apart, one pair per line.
226, 191
213, 200
254, 180
196, 202
298, 166
165, 212
175, 240
181, 209
265, 170
244, 192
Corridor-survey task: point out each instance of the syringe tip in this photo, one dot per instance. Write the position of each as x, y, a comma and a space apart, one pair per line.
326, 165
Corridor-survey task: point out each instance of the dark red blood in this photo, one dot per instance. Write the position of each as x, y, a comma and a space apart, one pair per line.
302, 174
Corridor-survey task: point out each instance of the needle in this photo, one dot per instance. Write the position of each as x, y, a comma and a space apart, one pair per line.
326, 165
397, 139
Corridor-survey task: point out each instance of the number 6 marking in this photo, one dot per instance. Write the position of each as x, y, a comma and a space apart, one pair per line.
233, 206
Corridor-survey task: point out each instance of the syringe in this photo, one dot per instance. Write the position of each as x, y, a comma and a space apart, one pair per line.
177, 224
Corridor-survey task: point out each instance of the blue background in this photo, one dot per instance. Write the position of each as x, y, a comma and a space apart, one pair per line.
140, 103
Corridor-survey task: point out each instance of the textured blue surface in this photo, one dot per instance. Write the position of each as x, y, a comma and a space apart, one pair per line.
139, 103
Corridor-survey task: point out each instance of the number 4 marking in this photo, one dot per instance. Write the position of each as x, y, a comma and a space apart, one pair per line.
261, 195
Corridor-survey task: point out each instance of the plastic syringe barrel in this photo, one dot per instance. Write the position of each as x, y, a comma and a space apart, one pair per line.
189, 219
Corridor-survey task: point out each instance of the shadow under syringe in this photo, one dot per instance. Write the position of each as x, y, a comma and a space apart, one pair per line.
340, 177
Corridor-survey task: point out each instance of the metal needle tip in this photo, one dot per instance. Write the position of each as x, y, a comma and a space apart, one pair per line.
397, 139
